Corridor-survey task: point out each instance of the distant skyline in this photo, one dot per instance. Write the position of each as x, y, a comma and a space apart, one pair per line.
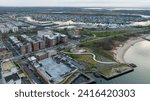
77, 3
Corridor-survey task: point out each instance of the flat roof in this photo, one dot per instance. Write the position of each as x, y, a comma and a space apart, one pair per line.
8, 68
57, 71
63, 35
2, 45
33, 58
7, 65
13, 77
40, 53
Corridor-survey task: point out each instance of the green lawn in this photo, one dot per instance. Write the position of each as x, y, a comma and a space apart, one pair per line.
102, 34
110, 70
84, 58
98, 51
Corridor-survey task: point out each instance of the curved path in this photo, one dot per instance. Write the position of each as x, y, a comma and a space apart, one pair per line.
94, 57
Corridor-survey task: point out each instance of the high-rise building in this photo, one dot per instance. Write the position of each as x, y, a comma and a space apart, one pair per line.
51, 41
42, 44
28, 48
35, 46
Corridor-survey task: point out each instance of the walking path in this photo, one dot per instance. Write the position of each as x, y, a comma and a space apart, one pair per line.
94, 57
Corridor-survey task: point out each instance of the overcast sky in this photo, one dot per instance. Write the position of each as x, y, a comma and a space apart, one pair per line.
98, 3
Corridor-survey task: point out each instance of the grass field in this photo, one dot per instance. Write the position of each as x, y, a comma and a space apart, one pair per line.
103, 34
112, 69
84, 58
98, 51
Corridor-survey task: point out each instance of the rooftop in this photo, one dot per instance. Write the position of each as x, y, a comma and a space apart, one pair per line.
56, 70
10, 72
40, 53
13, 77
2, 45
48, 33
8, 68
53, 70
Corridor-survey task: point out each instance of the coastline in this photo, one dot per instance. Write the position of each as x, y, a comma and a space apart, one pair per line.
119, 52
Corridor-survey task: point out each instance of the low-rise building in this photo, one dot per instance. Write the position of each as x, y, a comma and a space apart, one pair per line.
4, 52
10, 73
51, 52
12, 27
41, 55
23, 47
4, 29
7, 27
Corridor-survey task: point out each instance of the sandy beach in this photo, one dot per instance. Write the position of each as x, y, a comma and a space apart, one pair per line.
119, 52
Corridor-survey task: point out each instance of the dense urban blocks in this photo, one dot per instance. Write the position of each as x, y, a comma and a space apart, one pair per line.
68, 45
46, 38
8, 27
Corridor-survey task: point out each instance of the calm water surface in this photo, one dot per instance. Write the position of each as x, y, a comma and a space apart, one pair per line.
138, 54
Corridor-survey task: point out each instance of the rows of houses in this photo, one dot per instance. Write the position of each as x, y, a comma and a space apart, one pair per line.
8, 27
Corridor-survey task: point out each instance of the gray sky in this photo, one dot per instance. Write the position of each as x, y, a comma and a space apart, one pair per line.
105, 3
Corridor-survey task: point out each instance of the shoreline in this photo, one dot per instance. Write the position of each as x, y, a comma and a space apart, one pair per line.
119, 52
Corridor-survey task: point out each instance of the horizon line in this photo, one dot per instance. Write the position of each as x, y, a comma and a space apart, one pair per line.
83, 6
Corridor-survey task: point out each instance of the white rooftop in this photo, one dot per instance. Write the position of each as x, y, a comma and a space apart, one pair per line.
33, 58
57, 71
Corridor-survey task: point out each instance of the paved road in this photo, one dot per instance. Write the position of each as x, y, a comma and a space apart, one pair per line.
94, 57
